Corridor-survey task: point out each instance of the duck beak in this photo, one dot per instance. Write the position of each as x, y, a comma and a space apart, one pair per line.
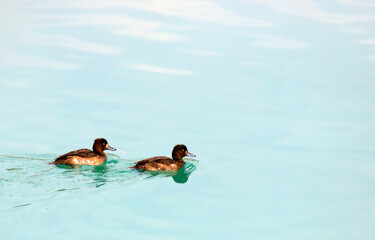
190, 155
110, 148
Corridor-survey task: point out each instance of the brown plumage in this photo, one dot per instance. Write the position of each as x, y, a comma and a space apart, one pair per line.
86, 156
162, 163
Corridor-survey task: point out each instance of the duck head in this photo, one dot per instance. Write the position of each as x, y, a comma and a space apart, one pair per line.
180, 151
100, 145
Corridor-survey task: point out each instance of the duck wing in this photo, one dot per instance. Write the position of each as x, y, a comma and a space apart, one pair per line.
159, 159
156, 163
84, 153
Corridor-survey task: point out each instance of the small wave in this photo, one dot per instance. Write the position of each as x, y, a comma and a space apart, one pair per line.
29, 178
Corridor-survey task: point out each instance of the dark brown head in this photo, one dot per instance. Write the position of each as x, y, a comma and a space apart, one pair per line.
100, 144
180, 151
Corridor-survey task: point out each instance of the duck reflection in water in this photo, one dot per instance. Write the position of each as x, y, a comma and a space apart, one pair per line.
180, 176
98, 173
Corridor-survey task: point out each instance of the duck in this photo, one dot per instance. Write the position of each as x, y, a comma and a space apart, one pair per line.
86, 156
162, 163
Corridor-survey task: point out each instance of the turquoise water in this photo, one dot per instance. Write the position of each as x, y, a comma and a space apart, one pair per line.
276, 99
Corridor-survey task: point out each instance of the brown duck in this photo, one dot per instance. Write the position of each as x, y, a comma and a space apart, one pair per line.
86, 156
162, 163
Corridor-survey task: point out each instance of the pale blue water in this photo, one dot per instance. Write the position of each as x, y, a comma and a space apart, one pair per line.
276, 99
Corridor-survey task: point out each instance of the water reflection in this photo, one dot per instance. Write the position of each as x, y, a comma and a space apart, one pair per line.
180, 176
118, 170
98, 174
54, 180
183, 174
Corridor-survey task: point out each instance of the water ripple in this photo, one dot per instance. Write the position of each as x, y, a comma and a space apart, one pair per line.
28, 179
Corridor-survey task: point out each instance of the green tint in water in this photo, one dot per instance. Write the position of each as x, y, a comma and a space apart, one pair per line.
45, 181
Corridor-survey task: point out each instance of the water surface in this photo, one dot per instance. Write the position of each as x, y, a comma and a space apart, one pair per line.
276, 99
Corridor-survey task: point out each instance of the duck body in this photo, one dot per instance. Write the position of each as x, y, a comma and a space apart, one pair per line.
86, 156
81, 157
159, 163
162, 163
